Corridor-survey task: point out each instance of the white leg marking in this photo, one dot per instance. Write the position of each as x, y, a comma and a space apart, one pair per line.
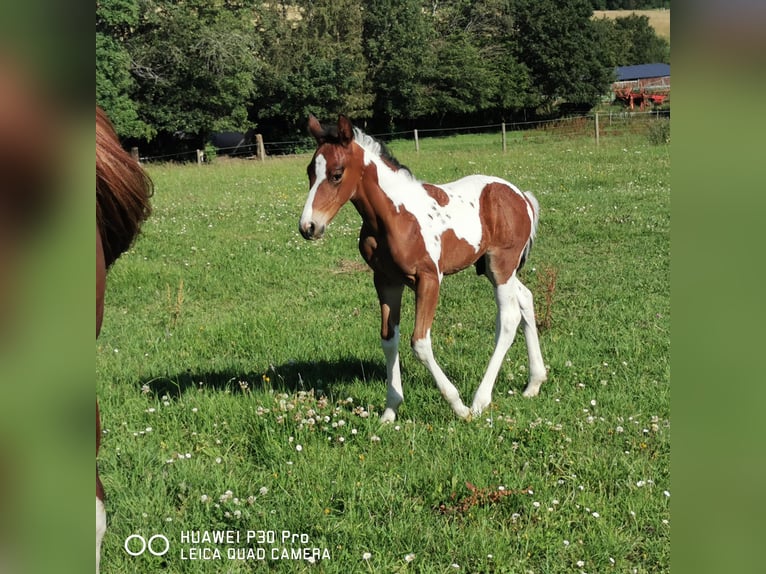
100, 530
508, 318
537, 373
394, 394
424, 353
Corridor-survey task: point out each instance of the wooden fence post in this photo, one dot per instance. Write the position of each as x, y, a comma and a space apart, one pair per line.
417, 143
596, 123
505, 147
200, 157
134, 154
260, 149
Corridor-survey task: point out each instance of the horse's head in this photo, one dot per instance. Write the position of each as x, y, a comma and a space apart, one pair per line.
334, 173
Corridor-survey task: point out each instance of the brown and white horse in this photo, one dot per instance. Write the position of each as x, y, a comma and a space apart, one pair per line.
122, 204
415, 233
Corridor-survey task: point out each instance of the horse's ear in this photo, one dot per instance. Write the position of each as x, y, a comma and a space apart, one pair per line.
345, 130
315, 129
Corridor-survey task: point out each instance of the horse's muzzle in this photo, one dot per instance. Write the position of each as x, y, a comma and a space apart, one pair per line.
311, 230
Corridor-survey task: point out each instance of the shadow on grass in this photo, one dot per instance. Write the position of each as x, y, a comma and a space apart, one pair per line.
328, 376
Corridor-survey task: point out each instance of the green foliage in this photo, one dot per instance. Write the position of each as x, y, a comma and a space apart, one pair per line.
659, 132
196, 65
396, 43
312, 63
639, 42
560, 47
166, 68
115, 85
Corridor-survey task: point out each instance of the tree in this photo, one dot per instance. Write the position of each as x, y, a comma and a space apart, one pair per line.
557, 41
312, 63
115, 85
490, 26
195, 65
639, 42
397, 38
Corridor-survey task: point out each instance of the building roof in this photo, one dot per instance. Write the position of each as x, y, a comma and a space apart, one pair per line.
641, 71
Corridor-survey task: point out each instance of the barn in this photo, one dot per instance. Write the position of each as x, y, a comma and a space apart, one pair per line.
643, 85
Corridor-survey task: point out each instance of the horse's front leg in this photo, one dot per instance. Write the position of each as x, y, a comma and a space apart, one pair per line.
390, 297
426, 299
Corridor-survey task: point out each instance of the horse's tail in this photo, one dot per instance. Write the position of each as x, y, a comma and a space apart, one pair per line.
535, 205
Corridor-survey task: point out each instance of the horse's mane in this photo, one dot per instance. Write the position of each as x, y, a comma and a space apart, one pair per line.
367, 142
380, 149
122, 191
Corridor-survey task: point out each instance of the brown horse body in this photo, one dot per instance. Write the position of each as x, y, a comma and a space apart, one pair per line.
415, 233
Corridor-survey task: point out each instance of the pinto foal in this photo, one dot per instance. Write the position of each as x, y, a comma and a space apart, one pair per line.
415, 233
122, 204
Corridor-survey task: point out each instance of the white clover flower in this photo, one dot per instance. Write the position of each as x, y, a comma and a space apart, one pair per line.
366, 556
410, 557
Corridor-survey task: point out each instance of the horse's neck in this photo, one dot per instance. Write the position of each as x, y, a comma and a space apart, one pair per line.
371, 201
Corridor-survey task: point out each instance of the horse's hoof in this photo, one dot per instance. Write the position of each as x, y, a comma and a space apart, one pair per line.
531, 391
388, 416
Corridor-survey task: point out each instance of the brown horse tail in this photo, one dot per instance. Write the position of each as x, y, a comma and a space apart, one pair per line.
123, 190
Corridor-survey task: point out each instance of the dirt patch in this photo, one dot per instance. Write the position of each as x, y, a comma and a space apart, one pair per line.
350, 266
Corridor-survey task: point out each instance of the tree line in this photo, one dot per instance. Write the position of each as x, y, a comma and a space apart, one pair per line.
169, 72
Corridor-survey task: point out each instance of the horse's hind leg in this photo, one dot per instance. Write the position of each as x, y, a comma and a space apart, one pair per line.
537, 373
509, 315
390, 297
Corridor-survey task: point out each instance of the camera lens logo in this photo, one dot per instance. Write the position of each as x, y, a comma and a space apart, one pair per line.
158, 545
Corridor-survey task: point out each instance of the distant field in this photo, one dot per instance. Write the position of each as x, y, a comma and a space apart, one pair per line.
659, 19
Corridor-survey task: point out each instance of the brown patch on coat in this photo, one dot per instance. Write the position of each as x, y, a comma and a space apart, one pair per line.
456, 253
437, 193
506, 227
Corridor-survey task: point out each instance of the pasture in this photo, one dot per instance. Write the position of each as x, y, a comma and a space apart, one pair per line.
240, 378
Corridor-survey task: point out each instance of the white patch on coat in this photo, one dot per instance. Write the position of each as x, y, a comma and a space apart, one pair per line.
320, 170
100, 529
461, 214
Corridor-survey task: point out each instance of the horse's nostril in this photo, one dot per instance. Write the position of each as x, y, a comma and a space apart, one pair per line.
307, 230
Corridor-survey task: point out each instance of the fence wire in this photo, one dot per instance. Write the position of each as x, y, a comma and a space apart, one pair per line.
610, 124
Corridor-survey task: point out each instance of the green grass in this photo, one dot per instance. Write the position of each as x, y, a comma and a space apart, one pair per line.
229, 341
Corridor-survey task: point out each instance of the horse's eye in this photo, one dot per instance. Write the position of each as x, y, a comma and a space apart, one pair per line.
336, 176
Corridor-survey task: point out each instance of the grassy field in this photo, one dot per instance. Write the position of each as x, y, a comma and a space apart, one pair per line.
240, 379
658, 19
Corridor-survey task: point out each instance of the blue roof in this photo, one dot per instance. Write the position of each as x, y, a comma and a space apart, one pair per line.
642, 71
